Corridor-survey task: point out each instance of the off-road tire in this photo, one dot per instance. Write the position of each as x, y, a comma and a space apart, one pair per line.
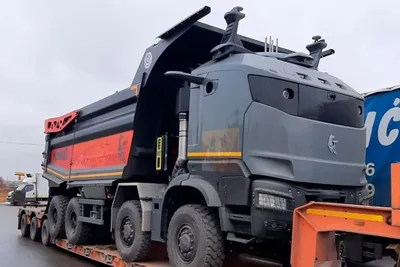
57, 224
24, 226
79, 234
203, 237
44, 233
139, 249
34, 231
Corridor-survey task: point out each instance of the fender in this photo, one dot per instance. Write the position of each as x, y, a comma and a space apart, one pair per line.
207, 190
159, 222
203, 186
146, 192
57, 182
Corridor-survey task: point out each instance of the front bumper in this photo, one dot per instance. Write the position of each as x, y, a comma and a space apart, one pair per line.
273, 203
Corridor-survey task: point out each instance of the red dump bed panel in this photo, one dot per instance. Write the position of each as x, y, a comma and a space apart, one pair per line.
106, 152
92, 143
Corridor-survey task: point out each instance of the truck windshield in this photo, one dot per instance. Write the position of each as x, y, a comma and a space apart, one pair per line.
21, 187
307, 101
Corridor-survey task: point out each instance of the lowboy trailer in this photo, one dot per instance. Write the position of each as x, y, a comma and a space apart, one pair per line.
32, 223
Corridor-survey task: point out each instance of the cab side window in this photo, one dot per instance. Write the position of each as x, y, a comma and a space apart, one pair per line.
28, 188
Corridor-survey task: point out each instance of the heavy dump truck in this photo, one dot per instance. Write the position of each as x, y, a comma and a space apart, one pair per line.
215, 143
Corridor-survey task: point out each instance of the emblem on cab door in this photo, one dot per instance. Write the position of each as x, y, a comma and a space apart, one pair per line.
332, 144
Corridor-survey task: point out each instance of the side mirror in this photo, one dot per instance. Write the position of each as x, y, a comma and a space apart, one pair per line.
187, 77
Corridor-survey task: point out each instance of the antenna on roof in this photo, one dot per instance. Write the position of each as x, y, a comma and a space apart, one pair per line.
269, 45
230, 43
316, 48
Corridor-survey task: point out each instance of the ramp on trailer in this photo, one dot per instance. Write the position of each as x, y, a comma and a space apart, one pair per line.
316, 227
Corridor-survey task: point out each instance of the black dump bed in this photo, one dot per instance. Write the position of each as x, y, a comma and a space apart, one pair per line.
114, 137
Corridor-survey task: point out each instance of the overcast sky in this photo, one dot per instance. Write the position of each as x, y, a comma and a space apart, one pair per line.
56, 56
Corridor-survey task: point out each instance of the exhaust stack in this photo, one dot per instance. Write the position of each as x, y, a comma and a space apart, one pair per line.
183, 136
181, 161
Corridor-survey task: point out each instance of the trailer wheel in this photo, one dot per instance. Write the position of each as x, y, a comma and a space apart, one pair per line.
77, 232
45, 235
24, 226
34, 230
56, 216
195, 238
132, 243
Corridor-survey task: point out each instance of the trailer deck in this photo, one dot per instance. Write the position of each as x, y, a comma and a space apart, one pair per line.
108, 255
105, 254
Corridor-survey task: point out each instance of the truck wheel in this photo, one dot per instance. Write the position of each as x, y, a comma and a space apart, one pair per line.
45, 235
132, 243
77, 232
34, 230
56, 216
195, 238
24, 226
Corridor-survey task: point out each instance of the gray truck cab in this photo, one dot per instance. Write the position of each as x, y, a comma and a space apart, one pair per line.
270, 132
260, 132
21, 193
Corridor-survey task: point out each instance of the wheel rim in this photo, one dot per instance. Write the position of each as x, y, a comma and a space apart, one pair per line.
128, 232
54, 213
33, 227
23, 225
44, 232
74, 220
54, 217
186, 241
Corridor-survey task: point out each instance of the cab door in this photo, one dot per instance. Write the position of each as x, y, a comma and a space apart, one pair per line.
19, 194
30, 192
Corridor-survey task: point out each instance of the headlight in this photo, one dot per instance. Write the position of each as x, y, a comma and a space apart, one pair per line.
270, 201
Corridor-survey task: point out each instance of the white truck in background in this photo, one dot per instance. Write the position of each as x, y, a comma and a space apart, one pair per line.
34, 189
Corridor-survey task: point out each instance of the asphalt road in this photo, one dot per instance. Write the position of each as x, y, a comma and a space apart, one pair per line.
18, 251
